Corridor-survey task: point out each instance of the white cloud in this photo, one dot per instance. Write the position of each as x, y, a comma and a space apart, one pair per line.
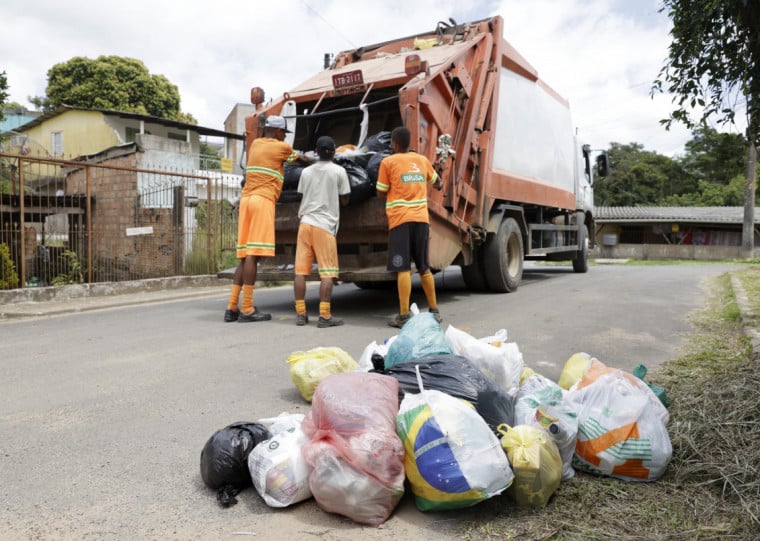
600, 54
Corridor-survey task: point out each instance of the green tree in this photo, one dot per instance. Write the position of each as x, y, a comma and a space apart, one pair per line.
111, 82
641, 177
3, 92
710, 194
209, 157
713, 69
713, 156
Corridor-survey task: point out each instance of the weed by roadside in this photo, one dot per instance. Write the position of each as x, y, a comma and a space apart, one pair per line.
711, 490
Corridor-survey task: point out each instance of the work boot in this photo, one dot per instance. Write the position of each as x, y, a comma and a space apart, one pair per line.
436, 314
253, 316
399, 320
329, 322
302, 319
231, 315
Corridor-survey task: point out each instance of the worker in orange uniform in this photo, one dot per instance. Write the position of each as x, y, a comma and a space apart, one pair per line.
403, 178
263, 185
325, 188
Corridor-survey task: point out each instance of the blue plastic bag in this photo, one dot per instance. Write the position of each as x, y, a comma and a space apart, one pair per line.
421, 336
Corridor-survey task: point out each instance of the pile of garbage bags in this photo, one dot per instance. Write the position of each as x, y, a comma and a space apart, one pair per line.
361, 164
454, 418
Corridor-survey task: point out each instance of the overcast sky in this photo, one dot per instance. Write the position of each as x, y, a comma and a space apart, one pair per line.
602, 55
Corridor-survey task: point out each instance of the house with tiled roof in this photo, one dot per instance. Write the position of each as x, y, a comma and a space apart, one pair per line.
671, 232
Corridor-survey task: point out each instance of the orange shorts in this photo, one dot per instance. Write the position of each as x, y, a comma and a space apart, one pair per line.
255, 227
316, 243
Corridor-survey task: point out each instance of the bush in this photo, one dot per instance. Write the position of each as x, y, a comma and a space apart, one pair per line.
8, 275
75, 272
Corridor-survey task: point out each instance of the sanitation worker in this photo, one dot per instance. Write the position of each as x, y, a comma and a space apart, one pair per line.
402, 179
324, 187
262, 188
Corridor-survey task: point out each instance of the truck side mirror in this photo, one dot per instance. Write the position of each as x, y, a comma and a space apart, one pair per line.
602, 165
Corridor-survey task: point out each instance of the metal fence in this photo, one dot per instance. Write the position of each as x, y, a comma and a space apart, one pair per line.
67, 221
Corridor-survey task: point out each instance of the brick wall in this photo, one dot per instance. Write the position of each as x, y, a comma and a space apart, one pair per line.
118, 252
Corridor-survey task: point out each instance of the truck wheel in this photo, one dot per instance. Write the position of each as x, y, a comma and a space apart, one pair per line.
503, 258
473, 275
580, 263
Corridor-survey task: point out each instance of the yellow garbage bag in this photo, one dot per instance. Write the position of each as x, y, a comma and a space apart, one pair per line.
535, 462
308, 368
421, 44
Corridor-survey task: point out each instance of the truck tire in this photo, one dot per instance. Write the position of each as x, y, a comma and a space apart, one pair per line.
580, 263
503, 258
473, 275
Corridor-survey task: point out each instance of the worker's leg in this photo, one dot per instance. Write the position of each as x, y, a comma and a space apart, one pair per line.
428, 286
237, 285
400, 263
420, 234
404, 284
244, 216
326, 251
249, 279
259, 244
302, 268
325, 295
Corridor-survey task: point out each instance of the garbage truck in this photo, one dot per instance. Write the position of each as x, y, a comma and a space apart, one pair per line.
517, 182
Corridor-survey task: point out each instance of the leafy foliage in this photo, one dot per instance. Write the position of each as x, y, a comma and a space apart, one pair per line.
209, 157
710, 173
710, 194
714, 61
641, 177
112, 82
74, 273
715, 157
3, 92
713, 65
8, 275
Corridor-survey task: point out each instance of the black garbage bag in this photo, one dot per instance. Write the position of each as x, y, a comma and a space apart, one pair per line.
290, 196
379, 143
224, 459
457, 377
291, 176
373, 166
361, 186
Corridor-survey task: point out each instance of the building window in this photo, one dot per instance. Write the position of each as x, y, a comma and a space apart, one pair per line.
177, 136
56, 143
130, 134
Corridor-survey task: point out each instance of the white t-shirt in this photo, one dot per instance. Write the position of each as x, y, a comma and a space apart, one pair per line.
322, 184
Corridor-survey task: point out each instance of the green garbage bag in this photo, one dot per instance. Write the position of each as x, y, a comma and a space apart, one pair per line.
640, 372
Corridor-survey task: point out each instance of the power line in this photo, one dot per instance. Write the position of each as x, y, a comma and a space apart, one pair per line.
328, 23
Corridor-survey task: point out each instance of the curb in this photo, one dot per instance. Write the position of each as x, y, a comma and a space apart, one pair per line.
749, 318
57, 300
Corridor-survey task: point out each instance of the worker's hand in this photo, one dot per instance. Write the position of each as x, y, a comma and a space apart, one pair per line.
438, 185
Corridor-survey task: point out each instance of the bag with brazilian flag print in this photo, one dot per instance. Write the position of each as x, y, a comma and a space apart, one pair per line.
452, 459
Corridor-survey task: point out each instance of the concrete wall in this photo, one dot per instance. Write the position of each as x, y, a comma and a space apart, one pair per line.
668, 251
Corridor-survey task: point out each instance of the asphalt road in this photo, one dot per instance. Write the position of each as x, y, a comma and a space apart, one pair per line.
103, 414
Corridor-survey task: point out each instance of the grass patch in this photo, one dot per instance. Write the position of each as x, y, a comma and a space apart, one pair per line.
711, 490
